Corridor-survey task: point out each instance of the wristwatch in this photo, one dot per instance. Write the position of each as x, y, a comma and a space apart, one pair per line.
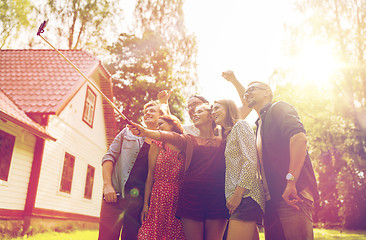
290, 177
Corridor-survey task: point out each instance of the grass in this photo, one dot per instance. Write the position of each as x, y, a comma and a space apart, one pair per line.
319, 234
337, 234
75, 235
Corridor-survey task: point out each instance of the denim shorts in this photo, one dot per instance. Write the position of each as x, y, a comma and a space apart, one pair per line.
248, 211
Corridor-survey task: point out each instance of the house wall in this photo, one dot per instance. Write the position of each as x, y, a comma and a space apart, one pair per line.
13, 192
87, 145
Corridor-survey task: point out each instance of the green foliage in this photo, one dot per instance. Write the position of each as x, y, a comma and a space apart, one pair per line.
158, 55
82, 24
166, 20
13, 16
334, 116
141, 70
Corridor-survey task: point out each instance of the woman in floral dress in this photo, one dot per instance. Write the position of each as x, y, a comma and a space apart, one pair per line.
201, 206
166, 169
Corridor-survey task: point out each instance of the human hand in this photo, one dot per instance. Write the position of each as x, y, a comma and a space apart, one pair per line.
290, 195
229, 76
137, 129
163, 96
233, 202
144, 211
109, 193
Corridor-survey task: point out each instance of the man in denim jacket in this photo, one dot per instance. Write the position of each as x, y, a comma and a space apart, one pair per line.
124, 169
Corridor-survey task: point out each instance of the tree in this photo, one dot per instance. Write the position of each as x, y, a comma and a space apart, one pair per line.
337, 131
83, 24
158, 55
13, 17
166, 19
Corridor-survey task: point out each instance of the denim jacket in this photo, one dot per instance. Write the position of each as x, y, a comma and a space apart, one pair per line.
123, 153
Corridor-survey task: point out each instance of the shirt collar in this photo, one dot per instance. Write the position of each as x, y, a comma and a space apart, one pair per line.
263, 111
265, 108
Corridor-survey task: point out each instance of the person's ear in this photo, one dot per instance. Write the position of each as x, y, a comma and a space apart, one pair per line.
267, 93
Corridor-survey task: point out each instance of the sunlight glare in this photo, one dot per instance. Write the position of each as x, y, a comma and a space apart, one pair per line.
316, 64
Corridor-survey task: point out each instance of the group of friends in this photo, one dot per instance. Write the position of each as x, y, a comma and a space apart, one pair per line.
213, 179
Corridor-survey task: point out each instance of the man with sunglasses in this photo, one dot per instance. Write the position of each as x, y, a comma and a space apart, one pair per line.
286, 169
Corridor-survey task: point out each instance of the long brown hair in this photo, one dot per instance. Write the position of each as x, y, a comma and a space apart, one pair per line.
232, 115
173, 121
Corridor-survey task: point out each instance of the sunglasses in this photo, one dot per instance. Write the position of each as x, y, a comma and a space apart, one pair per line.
252, 88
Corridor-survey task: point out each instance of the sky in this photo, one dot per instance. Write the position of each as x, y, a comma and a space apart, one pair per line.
243, 36
248, 38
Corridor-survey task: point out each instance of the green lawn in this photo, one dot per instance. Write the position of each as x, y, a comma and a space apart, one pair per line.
93, 235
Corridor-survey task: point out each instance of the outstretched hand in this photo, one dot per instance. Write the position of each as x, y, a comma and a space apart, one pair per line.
163, 96
229, 76
137, 129
290, 195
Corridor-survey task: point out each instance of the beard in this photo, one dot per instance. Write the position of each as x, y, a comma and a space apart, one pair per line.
251, 104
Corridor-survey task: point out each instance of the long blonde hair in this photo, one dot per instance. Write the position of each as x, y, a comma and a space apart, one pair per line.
232, 115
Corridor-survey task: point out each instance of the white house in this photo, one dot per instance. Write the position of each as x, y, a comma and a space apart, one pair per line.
54, 130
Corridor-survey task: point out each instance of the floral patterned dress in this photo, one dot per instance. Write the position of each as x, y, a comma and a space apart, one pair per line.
161, 222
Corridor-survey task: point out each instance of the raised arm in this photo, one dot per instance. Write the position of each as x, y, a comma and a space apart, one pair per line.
230, 77
153, 155
163, 98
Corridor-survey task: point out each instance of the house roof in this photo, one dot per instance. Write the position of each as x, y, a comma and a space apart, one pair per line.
9, 111
41, 81
38, 80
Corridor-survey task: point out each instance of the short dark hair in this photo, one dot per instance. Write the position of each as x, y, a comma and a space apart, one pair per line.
266, 86
200, 98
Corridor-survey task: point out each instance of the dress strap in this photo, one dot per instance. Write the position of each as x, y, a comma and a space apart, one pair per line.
158, 143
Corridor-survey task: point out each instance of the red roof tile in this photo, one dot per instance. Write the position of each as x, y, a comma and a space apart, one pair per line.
41, 81
38, 80
11, 112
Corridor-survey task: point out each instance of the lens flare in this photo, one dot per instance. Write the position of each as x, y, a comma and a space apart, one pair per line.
134, 192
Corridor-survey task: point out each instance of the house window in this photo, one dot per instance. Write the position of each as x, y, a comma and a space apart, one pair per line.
6, 151
89, 106
67, 173
89, 182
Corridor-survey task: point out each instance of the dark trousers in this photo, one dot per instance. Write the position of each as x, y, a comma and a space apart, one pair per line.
272, 224
282, 221
125, 214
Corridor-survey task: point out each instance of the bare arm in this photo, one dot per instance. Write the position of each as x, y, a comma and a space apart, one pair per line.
297, 157
153, 154
177, 140
108, 189
230, 76
163, 98
298, 144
